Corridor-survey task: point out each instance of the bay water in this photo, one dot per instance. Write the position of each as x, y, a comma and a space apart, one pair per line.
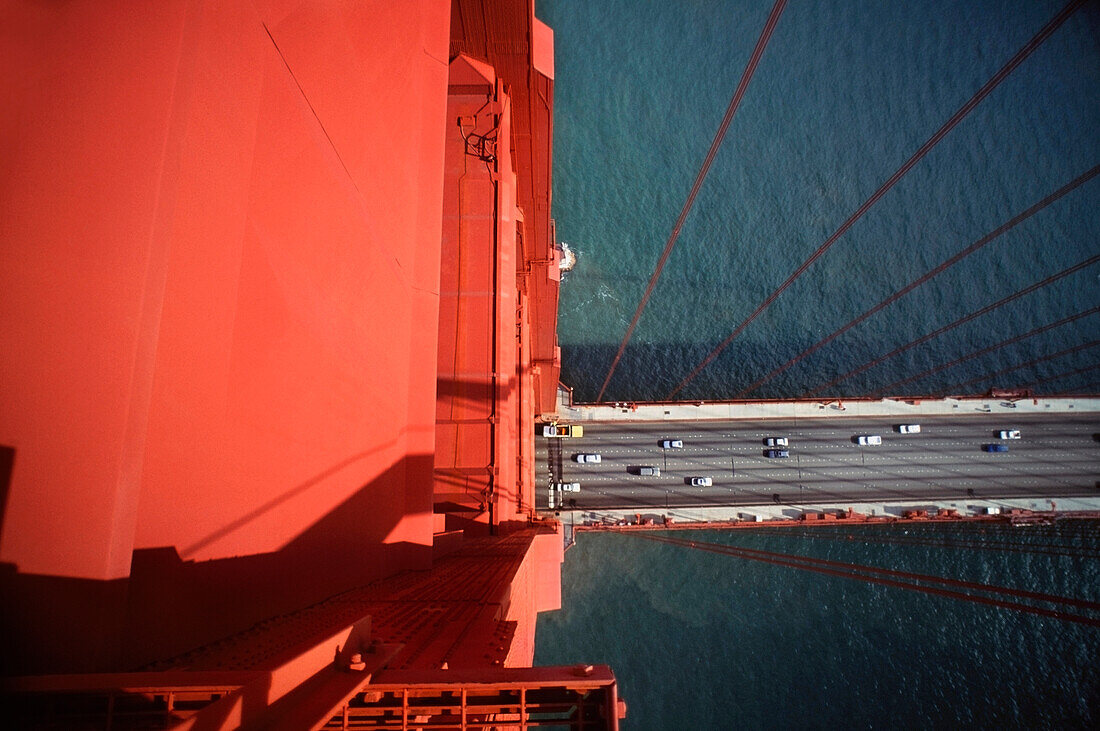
703, 640
846, 91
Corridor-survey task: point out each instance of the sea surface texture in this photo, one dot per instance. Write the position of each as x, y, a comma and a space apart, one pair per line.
845, 93
700, 639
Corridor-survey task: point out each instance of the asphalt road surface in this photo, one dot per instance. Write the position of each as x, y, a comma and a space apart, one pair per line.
1057, 456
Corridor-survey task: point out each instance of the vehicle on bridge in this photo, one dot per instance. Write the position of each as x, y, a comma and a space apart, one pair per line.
701, 482
776, 453
776, 442
587, 458
995, 447
909, 428
1008, 434
867, 440
554, 430
672, 444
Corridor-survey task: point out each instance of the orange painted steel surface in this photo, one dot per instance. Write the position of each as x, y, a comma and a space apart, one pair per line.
283, 285
499, 275
275, 331
202, 258
221, 244
583, 696
475, 406
465, 614
520, 50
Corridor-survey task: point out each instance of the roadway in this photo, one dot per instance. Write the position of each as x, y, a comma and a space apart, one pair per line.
1057, 456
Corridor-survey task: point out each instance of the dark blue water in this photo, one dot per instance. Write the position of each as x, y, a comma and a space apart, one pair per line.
845, 93
700, 640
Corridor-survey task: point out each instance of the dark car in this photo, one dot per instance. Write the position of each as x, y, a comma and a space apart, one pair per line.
995, 447
776, 453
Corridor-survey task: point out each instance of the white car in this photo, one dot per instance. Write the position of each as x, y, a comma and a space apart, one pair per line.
569, 486
777, 442
867, 440
1009, 434
701, 482
672, 444
909, 429
587, 458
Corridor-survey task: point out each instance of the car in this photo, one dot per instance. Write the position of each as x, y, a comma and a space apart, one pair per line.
554, 430
672, 444
995, 447
587, 458
776, 442
569, 486
909, 428
776, 453
1008, 434
867, 440
701, 482
648, 471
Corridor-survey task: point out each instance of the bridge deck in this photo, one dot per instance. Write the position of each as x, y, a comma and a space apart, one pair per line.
1055, 460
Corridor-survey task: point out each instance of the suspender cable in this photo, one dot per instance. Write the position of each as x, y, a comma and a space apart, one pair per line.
1060, 376
1011, 223
1053, 356
982, 352
901, 537
1087, 390
746, 76
964, 590
1021, 55
988, 308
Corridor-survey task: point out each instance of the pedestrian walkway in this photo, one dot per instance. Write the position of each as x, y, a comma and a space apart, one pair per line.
903, 409
791, 511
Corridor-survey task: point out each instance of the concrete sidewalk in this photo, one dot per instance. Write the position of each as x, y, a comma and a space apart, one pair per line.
903, 409
790, 511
